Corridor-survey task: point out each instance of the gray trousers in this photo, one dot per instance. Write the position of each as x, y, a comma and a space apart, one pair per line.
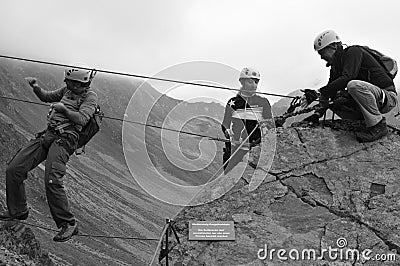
56, 150
369, 100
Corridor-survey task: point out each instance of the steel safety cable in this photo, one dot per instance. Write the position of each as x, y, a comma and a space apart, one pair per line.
128, 121
140, 76
85, 235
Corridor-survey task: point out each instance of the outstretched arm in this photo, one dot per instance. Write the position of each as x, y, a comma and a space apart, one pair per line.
45, 96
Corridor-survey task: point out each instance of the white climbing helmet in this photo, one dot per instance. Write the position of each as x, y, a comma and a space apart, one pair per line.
77, 74
324, 39
249, 73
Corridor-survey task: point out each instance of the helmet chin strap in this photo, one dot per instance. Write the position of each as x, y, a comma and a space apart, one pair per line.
246, 93
243, 94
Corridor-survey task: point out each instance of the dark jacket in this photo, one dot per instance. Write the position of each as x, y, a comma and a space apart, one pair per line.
239, 105
355, 63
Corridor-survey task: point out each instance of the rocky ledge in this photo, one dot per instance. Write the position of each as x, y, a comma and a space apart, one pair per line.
18, 246
324, 191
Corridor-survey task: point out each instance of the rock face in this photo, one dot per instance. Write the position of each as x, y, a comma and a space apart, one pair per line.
18, 246
324, 191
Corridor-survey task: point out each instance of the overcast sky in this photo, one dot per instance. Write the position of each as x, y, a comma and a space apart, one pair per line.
147, 37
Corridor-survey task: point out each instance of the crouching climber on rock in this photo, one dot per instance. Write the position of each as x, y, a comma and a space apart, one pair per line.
360, 86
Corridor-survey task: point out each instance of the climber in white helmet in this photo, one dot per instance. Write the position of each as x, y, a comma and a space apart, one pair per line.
243, 113
360, 87
73, 106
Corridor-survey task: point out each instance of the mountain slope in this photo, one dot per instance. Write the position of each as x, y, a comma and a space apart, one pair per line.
104, 196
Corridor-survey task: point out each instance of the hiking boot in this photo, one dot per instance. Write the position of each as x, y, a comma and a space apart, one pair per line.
16, 226
373, 133
66, 232
6, 216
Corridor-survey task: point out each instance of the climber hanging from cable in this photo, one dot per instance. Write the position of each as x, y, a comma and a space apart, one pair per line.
74, 106
242, 116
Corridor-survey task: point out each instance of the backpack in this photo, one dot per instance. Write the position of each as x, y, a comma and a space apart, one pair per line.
388, 63
89, 130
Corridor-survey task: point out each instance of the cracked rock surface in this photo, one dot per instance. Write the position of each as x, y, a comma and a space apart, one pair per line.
323, 191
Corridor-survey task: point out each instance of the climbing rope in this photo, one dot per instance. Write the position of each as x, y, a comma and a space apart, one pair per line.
89, 235
295, 98
132, 122
140, 76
